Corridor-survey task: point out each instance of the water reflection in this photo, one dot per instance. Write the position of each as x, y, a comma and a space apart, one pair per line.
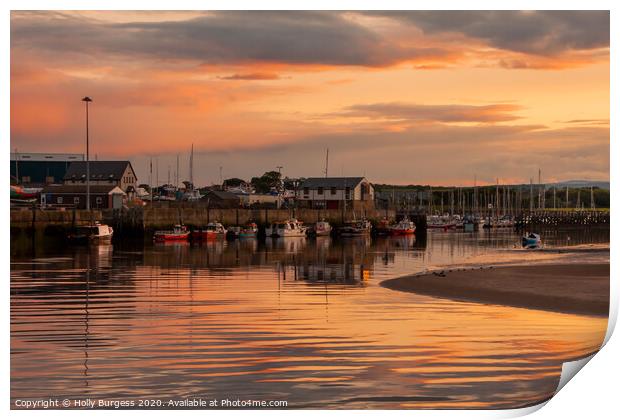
297, 319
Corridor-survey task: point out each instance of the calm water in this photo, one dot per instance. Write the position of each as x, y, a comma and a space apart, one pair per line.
298, 320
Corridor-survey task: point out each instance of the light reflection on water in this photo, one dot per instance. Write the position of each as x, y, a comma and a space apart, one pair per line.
297, 319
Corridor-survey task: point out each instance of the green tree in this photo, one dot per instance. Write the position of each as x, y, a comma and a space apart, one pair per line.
270, 180
233, 182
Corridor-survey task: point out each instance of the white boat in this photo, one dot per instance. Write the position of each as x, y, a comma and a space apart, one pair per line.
92, 233
321, 228
440, 222
286, 229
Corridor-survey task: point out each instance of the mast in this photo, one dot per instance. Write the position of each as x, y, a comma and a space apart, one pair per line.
177, 173
475, 203
191, 167
151, 179
539, 189
531, 196
16, 166
326, 162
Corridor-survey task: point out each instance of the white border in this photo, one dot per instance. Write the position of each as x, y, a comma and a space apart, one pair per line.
593, 394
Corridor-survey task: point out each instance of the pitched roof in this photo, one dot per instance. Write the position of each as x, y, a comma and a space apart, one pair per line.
222, 195
99, 169
81, 189
338, 182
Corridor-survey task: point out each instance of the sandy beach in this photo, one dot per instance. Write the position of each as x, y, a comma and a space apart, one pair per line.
579, 288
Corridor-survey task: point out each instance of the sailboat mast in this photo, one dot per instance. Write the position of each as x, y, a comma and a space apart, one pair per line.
326, 162
191, 167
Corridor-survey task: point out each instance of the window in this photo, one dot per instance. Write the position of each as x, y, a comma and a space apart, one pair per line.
333, 190
76, 200
25, 179
347, 192
306, 191
49, 179
320, 191
59, 200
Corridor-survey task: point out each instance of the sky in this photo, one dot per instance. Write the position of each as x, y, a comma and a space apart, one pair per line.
420, 97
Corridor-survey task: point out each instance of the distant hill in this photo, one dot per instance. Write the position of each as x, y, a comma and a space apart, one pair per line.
580, 183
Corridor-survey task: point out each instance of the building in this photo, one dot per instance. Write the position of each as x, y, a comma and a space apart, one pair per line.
39, 169
74, 196
221, 199
103, 172
260, 200
331, 193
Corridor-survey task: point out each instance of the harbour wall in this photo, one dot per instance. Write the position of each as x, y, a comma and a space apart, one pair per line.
151, 218
147, 219
35, 219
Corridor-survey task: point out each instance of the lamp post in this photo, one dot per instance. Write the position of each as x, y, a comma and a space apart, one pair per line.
86, 99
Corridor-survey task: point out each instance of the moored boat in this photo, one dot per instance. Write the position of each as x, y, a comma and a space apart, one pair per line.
250, 230
404, 227
531, 240
178, 234
355, 228
383, 227
91, 233
321, 228
285, 229
439, 222
213, 230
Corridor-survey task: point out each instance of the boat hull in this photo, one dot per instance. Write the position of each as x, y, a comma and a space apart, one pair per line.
171, 237
206, 235
402, 232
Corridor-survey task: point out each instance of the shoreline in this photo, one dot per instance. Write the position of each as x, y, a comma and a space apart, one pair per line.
574, 288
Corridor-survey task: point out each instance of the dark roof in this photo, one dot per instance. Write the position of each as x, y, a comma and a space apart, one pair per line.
77, 189
221, 195
338, 182
99, 169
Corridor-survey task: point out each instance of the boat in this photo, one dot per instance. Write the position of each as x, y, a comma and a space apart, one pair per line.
321, 228
91, 233
250, 230
470, 223
531, 240
440, 222
178, 234
355, 228
383, 228
286, 229
404, 227
213, 230
501, 222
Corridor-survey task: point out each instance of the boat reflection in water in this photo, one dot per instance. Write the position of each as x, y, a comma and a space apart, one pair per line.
296, 319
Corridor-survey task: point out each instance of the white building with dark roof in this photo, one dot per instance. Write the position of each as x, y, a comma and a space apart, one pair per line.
330, 193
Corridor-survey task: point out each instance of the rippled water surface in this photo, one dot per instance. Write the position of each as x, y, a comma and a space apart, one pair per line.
298, 320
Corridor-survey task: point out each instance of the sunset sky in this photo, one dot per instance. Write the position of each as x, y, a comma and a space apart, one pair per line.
400, 97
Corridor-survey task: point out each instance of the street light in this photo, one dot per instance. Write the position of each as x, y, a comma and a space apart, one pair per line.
86, 99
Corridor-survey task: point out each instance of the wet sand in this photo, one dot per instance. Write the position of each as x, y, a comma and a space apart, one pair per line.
572, 288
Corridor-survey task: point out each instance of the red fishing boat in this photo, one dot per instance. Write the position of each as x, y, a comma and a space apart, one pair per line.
404, 227
177, 234
212, 231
